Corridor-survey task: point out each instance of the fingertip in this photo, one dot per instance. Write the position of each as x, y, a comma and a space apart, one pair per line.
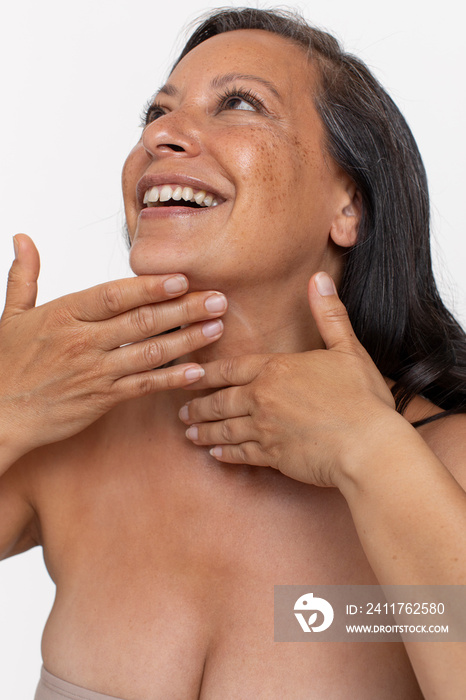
176, 284
183, 413
329, 312
22, 238
213, 329
192, 374
26, 250
324, 284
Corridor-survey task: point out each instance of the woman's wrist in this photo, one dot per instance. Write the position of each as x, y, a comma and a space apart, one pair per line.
375, 451
8, 455
10, 448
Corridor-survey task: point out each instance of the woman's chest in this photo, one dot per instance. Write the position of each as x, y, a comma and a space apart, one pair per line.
168, 556
177, 513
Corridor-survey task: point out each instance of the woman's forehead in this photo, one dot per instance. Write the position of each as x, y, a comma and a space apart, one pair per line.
277, 61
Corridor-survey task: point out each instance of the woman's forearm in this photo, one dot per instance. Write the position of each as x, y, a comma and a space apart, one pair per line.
410, 515
409, 511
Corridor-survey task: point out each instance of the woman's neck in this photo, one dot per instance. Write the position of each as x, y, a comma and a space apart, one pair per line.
253, 324
262, 324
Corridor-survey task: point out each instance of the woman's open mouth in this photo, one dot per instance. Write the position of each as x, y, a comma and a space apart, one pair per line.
178, 196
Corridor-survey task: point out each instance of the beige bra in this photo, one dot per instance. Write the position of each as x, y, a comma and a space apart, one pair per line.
52, 688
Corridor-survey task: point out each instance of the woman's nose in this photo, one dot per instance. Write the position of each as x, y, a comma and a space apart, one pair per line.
171, 134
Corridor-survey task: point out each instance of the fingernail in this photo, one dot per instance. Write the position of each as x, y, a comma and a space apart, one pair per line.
212, 328
175, 284
192, 432
15, 246
194, 373
216, 302
216, 451
325, 285
184, 413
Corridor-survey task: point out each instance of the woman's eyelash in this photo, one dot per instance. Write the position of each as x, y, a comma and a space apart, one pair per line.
151, 108
245, 94
147, 112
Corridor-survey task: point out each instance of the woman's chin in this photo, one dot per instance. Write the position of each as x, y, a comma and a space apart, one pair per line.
144, 260
151, 260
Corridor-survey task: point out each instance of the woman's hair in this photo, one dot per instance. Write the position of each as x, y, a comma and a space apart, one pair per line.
388, 285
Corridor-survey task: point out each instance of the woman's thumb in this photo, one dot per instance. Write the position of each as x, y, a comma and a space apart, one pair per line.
21, 291
330, 314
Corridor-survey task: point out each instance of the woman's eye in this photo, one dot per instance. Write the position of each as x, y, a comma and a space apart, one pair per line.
240, 99
238, 103
150, 113
153, 113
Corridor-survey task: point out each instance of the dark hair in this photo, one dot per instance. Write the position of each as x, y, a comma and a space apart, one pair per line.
388, 285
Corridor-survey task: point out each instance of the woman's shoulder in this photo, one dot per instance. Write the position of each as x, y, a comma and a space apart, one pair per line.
446, 436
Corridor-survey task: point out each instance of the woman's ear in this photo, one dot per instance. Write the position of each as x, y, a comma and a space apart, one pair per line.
344, 228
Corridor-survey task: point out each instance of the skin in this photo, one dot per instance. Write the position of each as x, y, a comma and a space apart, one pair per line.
152, 541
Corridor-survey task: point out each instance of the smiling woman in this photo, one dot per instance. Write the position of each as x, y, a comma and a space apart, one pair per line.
253, 202
257, 147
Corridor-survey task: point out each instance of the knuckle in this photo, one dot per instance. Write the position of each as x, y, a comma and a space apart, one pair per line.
112, 298
227, 369
278, 363
336, 313
190, 307
143, 320
14, 274
272, 366
163, 318
244, 453
186, 309
171, 380
227, 431
217, 404
263, 392
98, 374
274, 452
144, 384
193, 340
153, 353
57, 318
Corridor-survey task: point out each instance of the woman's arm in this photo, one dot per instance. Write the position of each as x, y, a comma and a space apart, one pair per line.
402, 496
410, 515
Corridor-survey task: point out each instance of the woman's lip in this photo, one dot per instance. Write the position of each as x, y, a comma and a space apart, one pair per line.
167, 212
151, 179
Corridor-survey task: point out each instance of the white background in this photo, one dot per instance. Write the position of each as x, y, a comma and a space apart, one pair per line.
75, 76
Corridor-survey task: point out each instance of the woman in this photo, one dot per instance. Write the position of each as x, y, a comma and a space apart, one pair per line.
152, 541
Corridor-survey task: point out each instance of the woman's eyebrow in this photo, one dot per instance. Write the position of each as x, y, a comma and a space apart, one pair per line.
220, 80
167, 89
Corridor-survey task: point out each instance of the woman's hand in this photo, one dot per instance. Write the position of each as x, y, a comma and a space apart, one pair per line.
304, 414
62, 365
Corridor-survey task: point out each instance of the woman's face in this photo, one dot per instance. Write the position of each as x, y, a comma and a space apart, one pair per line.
236, 120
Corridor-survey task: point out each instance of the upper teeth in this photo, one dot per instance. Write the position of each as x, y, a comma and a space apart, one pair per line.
163, 193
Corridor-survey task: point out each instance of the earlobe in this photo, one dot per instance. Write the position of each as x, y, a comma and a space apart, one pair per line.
344, 229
